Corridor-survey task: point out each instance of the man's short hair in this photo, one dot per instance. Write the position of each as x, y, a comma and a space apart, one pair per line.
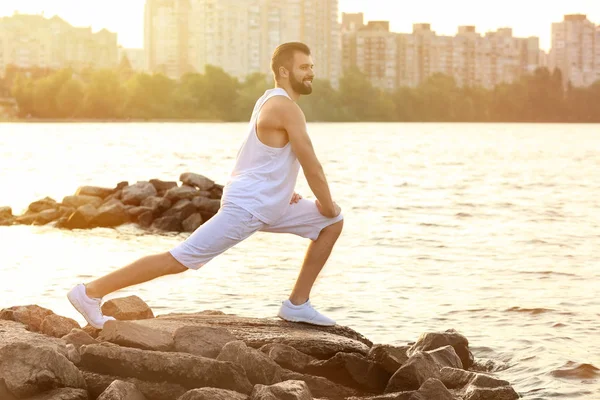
283, 56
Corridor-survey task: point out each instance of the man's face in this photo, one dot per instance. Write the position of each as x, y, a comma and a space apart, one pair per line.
302, 73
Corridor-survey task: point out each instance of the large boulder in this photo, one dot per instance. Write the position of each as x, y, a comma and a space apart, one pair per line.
202, 341
352, 370
162, 186
95, 191
130, 334
28, 370
259, 368
182, 210
434, 340
111, 214
158, 205
212, 394
136, 193
47, 216
82, 200
287, 356
57, 325
14, 332
419, 367
78, 338
98, 383
388, 357
196, 180
120, 390
288, 390
47, 203
191, 223
207, 205
31, 316
82, 217
181, 193
127, 308
319, 386
60, 394
167, 224
184, 369
5, 213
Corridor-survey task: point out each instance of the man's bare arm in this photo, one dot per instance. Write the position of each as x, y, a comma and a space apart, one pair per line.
294, 123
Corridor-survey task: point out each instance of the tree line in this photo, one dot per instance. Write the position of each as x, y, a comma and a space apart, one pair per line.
122, 94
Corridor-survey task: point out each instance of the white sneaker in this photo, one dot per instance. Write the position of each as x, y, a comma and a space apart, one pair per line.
89, 307
303, 313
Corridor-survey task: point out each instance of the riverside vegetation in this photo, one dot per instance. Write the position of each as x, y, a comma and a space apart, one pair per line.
122, 94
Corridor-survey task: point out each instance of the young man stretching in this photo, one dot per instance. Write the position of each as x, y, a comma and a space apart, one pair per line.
258, 197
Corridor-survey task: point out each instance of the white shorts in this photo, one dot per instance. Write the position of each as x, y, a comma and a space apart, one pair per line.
232, 224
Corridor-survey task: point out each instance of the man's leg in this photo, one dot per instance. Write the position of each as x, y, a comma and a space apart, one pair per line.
303, 219
316, 256
143, 270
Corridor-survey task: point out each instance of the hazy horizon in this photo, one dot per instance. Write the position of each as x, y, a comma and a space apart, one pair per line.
445, 19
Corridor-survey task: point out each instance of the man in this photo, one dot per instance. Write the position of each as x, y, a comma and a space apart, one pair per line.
258, 197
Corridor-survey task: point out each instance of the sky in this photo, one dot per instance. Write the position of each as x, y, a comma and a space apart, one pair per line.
526, 17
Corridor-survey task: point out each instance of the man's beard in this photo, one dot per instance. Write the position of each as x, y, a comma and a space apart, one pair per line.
300, 87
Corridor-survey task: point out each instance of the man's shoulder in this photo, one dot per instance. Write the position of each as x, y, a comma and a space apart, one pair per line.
280, 105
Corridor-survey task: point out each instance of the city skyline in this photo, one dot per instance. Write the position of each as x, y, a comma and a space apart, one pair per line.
129, 23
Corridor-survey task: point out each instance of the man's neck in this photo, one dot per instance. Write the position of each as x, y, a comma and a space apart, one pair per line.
293, 95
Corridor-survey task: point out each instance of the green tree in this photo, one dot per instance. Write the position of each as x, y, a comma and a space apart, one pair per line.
104, 96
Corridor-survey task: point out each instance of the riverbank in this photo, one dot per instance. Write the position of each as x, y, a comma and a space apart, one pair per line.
213, 355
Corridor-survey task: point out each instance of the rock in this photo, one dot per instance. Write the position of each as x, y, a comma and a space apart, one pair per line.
97, 384
118, 195
162, 186
66, 211
130, 334
216, 192
182, 209
454, 378
433, 340
94, 191
319, 342
319, 386
81, 218
158, 204
119, 390
135, 194
196, 180
13, 332
47, 216
167, 224
90, 330
184, 369
5, 213
127, 308
111, 215
486, 381
259, 368
31, 316
27, 219
287, 356
78, 201
207, 205
499, 393
419, 367
212, 394
288, 390
181, 193
28, 370
134, 212
352, 370
57, 325
61, 394
121, 185
73, 354
432, 389
78, 338
202, 341
446, 357
145, 219
5, 394
191, 223
388, 357
47, 203
206, 215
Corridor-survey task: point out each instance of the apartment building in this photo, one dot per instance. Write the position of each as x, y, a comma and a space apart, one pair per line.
574, 50
136, 57
239, 35
28, 41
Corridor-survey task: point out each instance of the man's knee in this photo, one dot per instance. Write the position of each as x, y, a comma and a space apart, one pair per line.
335, 229
172, 265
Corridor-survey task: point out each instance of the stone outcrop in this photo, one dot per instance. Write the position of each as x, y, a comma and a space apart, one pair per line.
154, 205
212, 355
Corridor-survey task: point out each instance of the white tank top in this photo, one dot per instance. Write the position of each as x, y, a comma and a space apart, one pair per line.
264, 177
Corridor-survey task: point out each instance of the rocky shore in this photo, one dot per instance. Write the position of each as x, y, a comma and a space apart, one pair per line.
154, 205
210, 355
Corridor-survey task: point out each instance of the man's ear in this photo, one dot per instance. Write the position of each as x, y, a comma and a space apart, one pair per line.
283, 72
